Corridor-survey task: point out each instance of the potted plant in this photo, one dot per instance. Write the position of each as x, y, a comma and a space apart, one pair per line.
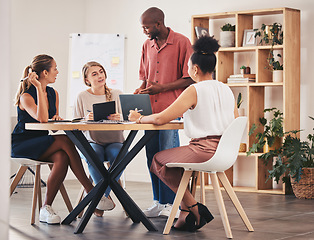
242, 69
245, 70
270, 137
294, 163
270, 34
239, 102
241, 113
276, 67
227, 35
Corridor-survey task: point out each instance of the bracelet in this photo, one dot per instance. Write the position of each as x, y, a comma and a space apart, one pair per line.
140, 118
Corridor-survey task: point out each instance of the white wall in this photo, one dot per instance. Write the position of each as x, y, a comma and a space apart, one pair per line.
47, 30
5, 117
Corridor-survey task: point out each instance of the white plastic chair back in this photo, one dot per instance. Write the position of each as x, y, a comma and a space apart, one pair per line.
226, 153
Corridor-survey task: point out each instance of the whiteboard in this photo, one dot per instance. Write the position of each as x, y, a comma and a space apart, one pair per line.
107, 49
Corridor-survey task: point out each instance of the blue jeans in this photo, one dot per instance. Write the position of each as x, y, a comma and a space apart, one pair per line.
107, 152
164, 139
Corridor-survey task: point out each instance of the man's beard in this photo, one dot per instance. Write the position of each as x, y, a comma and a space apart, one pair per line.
153, 36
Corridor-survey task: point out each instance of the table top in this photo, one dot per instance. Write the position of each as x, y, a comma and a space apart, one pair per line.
68, 126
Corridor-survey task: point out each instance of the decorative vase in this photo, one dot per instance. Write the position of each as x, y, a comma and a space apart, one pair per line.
304, 189
247, 70
277, 76
276, 145
242, 147
227, 38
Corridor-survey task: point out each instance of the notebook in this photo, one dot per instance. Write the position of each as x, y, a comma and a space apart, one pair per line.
132, 101
102, 110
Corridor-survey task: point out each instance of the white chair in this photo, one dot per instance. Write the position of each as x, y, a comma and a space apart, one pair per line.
224, 157
24, 164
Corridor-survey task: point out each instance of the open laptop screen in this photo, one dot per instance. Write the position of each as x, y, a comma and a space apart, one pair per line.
132, 101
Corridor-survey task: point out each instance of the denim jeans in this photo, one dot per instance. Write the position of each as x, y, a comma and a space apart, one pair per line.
107, 152
164, 139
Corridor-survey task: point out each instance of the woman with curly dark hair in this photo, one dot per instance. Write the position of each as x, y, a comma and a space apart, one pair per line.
208, 107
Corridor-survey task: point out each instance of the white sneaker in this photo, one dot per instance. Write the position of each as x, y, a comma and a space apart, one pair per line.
105, 204
47, 215
154, 210
167, 210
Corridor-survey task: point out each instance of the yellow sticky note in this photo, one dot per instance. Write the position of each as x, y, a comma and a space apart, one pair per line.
115, 60
75, 74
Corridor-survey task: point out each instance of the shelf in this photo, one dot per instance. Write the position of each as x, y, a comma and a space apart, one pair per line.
259, 94
264, 84
249, 189
263, 12
248, 49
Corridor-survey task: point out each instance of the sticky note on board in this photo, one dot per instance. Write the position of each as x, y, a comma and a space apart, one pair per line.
115, 60
75, 74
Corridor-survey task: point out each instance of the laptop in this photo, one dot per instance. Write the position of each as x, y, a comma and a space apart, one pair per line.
132, 101
101, 111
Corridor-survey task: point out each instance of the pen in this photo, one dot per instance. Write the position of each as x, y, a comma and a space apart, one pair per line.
140, 110
24, 79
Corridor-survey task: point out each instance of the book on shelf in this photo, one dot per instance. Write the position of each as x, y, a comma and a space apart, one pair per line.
240, 80
243, 76
200, 31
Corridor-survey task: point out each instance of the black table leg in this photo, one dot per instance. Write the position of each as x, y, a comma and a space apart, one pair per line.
80, 207
108, 179
87, 215
130, 207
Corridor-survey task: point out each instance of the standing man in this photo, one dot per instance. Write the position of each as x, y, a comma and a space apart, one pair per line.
164, 72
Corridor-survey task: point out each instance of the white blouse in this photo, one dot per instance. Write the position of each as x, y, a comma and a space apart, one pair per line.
214, 110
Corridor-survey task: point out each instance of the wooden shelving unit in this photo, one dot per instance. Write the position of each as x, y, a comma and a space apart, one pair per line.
255, 103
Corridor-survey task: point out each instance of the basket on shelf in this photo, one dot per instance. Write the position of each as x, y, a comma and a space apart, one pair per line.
304, 189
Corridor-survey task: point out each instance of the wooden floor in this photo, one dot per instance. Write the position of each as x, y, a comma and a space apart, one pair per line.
272, 216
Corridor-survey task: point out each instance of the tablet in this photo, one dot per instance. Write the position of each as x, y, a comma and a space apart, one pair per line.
101, 111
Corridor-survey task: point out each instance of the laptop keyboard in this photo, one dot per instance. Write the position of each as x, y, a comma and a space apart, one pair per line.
109, 121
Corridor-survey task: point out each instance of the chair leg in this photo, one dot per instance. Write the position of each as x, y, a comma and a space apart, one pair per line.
79, 199
39, 196
181, 190
17, 178
64, 194
221, 204
202, 187
35, 192
194, 178
65, 197
233, 197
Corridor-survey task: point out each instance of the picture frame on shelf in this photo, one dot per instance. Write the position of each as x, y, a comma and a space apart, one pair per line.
201, 31
249, 38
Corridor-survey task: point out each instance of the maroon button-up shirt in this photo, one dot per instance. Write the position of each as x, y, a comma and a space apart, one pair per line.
164, 65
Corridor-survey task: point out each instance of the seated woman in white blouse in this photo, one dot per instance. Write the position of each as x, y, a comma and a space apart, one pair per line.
208, 107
